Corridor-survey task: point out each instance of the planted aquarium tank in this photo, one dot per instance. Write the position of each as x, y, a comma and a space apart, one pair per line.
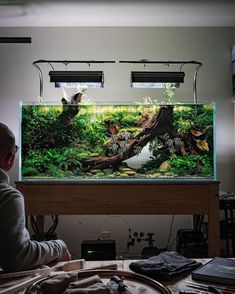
117, 142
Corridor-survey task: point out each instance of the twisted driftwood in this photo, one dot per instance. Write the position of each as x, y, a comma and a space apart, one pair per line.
161, 123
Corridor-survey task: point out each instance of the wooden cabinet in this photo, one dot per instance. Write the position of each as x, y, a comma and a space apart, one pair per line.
129, 198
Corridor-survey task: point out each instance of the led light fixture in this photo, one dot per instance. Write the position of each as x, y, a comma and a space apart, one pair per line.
155, 79
158, 79
74, 79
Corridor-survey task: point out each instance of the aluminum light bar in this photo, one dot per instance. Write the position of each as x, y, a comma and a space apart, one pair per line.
73, 79
98, 83
155, 79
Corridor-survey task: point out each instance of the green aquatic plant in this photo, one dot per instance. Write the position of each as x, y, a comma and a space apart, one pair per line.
53, 171
192, 117
133, 132
41, 161
72, 160
170, 92
29, 171
191, 164
183, 166
149, 100
32, 162
124, 117
204, 118
96, 138
88, 126
40, 126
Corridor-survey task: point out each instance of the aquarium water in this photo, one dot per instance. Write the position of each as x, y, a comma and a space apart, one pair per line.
117, 142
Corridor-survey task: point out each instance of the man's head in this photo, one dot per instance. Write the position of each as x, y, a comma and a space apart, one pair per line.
7, 147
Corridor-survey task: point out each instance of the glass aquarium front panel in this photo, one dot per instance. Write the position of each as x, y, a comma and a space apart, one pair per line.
117, 142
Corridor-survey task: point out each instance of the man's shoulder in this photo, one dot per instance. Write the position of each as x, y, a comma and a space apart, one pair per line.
15, 191
7, 190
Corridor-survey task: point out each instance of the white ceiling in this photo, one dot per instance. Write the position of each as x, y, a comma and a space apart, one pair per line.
16, 13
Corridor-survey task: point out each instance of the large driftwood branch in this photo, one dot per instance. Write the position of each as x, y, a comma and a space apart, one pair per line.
192, 142
161, 123
70, 108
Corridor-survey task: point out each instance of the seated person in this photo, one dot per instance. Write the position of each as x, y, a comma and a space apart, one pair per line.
17, 251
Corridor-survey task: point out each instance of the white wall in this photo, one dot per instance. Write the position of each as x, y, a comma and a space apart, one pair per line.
211, 46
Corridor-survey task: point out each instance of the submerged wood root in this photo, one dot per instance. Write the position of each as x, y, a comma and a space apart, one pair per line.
161, 123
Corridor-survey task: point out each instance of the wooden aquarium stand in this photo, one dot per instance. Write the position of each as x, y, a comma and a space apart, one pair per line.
127, 198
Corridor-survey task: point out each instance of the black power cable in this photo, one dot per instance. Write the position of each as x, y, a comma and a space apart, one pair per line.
41, 236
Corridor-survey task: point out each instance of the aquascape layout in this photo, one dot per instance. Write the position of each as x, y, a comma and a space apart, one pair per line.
135, 141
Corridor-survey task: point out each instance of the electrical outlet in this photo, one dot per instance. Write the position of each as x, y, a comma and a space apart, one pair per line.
139, 237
